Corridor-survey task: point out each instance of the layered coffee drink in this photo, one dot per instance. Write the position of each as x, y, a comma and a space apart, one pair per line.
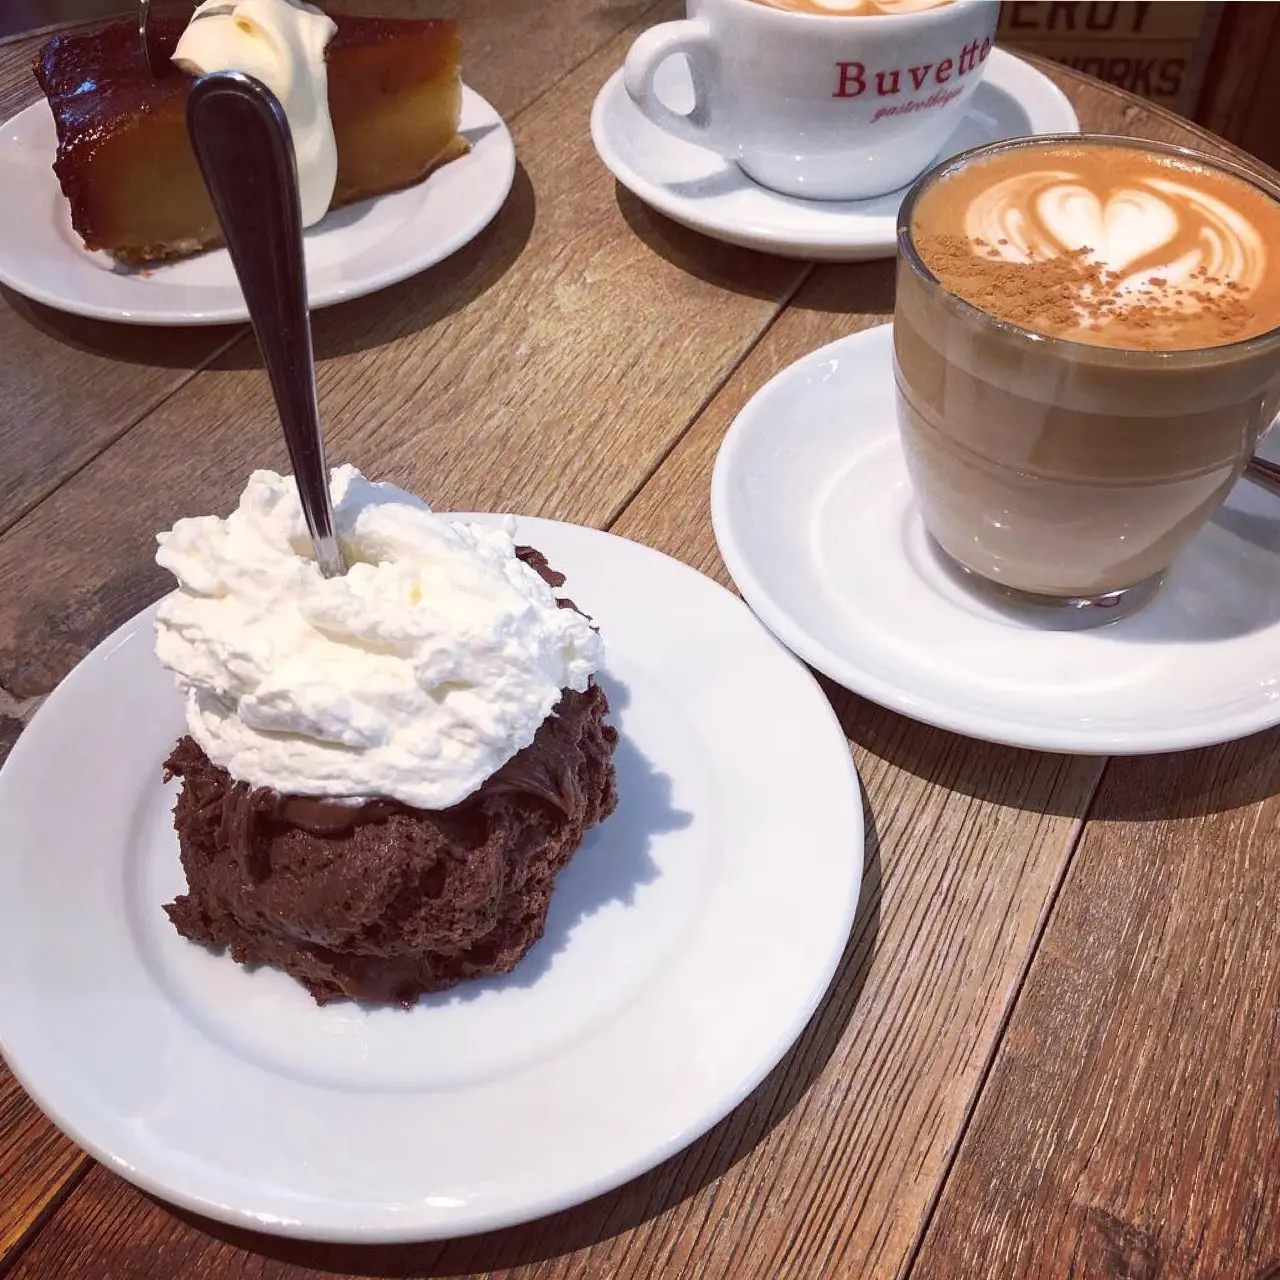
1087, 348
854, 8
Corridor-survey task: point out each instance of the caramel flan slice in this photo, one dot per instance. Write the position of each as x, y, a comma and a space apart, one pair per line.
125, 163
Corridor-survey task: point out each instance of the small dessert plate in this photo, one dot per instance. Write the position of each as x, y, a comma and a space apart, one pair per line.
815, 519
350, 252
688, 943
704, 191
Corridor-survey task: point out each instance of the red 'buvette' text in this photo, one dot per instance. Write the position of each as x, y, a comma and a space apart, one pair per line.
854, 79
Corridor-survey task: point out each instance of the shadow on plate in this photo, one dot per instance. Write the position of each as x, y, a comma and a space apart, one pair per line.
993, 113
721, 182
729, 179
1224, 585
478, 134
680, 1178
340, 219
1153, 788
379, 318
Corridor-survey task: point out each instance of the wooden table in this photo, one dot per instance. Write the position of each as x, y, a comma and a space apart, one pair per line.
1051, 1048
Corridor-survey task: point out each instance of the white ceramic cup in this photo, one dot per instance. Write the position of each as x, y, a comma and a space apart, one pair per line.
821, 106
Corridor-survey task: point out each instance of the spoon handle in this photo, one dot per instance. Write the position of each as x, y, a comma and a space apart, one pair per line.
242, 141
144, 20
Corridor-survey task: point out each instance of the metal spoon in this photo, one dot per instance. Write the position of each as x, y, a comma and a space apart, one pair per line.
242, 141
1263, 473
144, 16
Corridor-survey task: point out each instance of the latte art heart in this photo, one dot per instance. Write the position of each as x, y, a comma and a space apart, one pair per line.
1130, 225
1148, 228
1106, 243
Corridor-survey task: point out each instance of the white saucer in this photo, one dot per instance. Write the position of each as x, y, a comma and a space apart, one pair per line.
688, 943
815, 519
351, 252
710, 194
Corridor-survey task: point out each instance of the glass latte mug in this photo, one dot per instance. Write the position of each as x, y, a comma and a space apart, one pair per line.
1086, 352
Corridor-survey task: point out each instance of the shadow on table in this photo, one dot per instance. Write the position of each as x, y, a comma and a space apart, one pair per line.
433, 295
851, 288
1183, 784
646, 1197
1190, 784
1007, 776
374, 320
727, 266
855, 288
183, 347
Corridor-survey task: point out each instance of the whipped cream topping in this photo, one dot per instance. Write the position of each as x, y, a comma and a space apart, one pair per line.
416, 675
281, 43
1148, 230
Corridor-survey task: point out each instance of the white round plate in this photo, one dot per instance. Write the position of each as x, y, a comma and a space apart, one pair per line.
704, 191
688, 943
350, 252
816, 522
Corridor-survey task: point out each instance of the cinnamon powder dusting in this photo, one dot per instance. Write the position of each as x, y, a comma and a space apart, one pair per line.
1072, 296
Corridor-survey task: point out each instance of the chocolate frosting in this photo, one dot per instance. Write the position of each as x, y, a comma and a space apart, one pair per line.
544, 770
396, 901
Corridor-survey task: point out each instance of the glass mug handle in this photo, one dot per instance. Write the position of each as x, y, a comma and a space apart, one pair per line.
691, 37
1264, 474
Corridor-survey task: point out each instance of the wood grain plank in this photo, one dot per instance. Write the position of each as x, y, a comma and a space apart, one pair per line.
1130, 1124
1244, 53
973, 839
27, 17
1129, 1127
10, 727
72, 386
38, 1166
520, 375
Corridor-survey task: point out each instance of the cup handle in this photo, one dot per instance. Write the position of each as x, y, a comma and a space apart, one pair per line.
692, 37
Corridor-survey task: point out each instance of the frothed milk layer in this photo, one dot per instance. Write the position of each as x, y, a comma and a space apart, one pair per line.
854, 8
1106, 244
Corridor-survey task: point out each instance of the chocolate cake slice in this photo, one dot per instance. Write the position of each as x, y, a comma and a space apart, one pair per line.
377, 901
